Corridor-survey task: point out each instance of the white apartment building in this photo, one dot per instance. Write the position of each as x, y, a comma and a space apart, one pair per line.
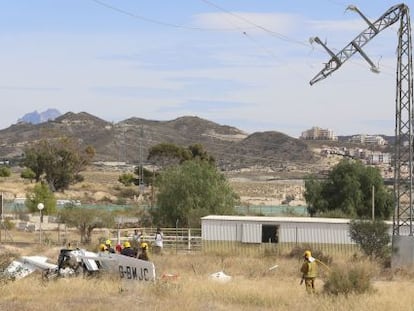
378, 158
317, 133
368, 139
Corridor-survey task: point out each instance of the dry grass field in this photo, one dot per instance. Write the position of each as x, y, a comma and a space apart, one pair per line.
253, 287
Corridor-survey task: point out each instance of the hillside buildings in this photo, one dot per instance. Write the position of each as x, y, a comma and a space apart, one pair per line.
368, 139
317, 133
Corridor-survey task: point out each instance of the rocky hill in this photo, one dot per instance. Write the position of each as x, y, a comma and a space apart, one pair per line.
129, 140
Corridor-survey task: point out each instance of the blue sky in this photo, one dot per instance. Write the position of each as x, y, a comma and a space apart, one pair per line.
244, 63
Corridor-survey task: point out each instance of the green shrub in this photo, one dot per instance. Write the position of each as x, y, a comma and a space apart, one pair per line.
5, 171
127, 179
28, 173
372, 237
355, 279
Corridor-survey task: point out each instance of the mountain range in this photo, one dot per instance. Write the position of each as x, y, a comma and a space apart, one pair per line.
129, 140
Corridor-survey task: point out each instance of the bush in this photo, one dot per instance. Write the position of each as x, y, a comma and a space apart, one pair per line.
127, 179
28, 173
5, 171
355, 279
372, 237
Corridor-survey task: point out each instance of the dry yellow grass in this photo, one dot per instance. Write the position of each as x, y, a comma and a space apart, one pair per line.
253, 287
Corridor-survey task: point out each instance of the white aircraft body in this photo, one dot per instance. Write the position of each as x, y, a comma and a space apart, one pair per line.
72, 262
25, 265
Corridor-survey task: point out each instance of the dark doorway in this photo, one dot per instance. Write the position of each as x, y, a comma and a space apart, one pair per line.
270, 233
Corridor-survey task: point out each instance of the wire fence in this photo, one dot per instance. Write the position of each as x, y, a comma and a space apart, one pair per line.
175, 240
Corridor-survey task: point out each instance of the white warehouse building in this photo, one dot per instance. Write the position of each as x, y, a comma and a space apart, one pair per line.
258, 229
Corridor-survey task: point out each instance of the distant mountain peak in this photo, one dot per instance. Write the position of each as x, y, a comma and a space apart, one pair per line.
80, 117
36, 117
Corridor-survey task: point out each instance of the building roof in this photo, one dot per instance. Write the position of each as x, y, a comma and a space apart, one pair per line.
277, 219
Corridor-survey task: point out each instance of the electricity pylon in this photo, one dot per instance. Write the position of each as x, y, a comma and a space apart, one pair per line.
403, 162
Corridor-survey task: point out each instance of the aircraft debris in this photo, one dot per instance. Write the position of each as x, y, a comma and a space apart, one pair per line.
220, 277
273, 267
80, 261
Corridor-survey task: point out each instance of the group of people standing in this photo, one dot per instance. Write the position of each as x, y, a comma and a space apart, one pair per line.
140, 252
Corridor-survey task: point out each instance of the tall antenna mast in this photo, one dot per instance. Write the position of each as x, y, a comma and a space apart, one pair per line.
403, 240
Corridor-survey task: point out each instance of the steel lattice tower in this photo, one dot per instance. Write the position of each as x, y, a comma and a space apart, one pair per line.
403, 161
403, 174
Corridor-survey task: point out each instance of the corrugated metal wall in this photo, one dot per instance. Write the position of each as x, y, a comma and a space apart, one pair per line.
314, 233
289, 232
219, 231
251, 233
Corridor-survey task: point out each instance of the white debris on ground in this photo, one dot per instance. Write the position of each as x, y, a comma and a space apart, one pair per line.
220, 277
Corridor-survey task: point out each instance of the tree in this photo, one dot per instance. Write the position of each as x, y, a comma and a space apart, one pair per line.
348, 191
5, 171
313, 195
58, 162
198, 153
166, 154
191, 190
41, 194
85, 220
372, 236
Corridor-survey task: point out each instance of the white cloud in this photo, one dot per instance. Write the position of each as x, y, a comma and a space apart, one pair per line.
335, 26
248, 21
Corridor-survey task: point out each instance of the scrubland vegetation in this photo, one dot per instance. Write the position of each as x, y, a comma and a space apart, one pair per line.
252, 287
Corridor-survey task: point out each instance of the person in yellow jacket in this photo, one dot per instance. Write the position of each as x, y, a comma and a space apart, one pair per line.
309, 271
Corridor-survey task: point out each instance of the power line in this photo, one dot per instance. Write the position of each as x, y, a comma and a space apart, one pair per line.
236, 28
271, 32
155, 21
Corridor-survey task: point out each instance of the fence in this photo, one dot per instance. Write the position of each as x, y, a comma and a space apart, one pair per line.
268, 210
178, 240
271, 249
174, 239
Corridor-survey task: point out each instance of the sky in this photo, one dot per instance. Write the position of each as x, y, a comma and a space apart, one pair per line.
242, 63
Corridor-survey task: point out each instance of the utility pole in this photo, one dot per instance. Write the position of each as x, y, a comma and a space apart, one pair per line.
141, 165
373, 202
402, 239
